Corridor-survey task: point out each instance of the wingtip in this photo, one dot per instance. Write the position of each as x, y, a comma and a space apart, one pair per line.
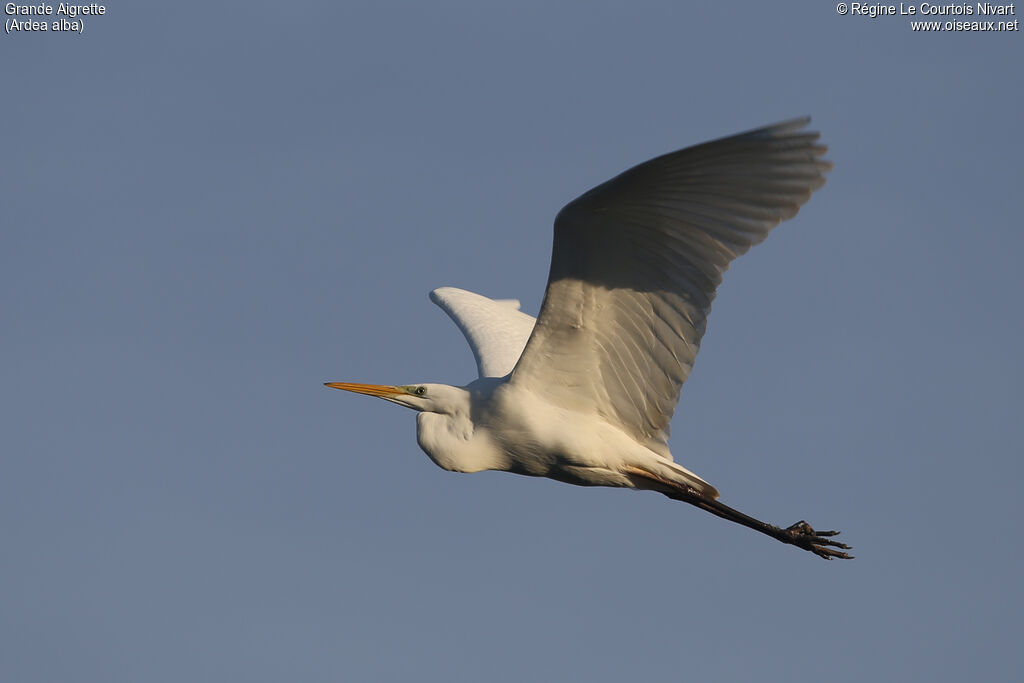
787, 127
438, 294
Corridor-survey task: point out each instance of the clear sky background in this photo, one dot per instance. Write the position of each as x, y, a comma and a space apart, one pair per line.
209, 209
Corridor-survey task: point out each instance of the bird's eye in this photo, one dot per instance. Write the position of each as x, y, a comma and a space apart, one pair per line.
420, 391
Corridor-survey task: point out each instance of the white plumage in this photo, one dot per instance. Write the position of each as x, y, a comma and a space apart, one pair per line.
584, 393
495, 329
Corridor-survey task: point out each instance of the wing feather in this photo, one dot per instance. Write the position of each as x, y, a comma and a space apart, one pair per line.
635, 265
495, 328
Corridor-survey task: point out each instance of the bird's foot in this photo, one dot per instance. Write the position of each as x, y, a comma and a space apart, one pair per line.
818, 542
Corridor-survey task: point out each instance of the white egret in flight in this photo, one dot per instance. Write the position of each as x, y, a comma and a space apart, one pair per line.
584, 393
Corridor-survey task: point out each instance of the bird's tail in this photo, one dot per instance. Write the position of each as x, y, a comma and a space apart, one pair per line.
668, 477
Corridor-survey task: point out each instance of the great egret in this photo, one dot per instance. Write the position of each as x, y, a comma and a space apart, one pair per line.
584, 393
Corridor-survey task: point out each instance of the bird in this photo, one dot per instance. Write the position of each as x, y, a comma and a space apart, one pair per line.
584, 393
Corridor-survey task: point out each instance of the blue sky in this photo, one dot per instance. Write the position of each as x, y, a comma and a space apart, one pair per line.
210, 208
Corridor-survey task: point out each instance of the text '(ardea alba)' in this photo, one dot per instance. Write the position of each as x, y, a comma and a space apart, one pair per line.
584, 393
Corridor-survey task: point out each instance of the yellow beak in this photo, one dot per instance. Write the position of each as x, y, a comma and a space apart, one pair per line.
378, 390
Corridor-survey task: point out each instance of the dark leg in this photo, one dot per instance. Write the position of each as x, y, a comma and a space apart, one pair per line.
800, 534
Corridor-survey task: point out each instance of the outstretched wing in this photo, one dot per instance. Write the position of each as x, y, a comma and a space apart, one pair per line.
635, 265
495, 329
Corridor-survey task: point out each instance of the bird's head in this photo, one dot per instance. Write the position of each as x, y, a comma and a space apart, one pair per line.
433, 398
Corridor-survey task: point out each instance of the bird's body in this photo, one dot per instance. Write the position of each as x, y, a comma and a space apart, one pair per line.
584, 393
497, 425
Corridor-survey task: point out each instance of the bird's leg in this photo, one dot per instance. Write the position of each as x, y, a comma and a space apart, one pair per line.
801, 534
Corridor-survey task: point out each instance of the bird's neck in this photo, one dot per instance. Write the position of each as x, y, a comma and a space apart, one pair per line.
453, 444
